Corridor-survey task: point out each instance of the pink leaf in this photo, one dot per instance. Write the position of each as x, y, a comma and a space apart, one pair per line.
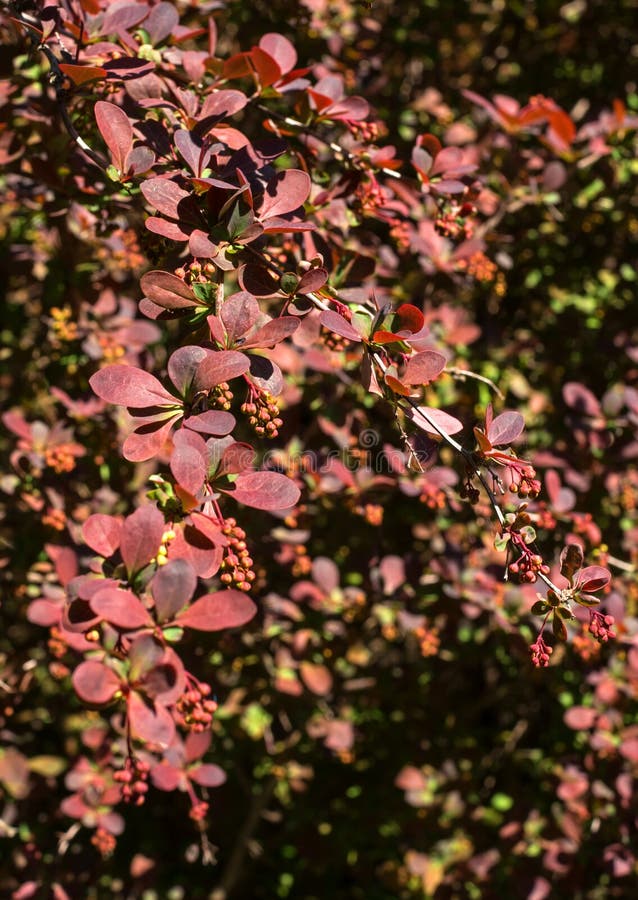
173, 587
580, 717
273, 332
281, 50
265, 490
188, 466
95, 683
438, 423
121, 608
141, 537
214, 612
102, 533
422, 368
208, 775
116, 130
129, 386
149, 722
506, 428
334, 322
166, 777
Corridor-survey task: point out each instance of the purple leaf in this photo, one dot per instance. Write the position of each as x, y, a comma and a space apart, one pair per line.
95, 683
422, 368
121, 608
334, 322
170, 199
593, 578
506, 428
272, 332
286, 192
141, 537
266, 375
312, 280
102, 533
129, 386
223, 103
182, 366
116, 130
139, 160
265, 490
161, 22
239, 313
214, 612
172, 588
581, 399
219, 366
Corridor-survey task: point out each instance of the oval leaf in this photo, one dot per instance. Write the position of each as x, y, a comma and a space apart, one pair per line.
265, 490
214, 612
95, 683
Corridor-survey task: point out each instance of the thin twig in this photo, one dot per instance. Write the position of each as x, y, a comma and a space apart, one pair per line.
463, 374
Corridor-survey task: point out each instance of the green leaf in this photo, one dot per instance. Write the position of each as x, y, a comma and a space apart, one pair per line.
289, 282
205, 293
540, 608
528, 533
501, 542
49, 766
559, 629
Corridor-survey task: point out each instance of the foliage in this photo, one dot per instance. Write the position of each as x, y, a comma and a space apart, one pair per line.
273, 340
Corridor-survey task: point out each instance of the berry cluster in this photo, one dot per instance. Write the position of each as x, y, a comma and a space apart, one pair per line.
263, 414
602, 627
452, 221
196, 273
528, 484
541, 653
104, 842
528, 565
195, 708
198, 811
429, 641
221, 396
334, 341
237, 563
133, 778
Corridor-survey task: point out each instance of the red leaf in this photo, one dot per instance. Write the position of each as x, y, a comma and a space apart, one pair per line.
130, 386
102, 533
312, 280
188, 463
286, 192
272, 332
116, 130
218, 366
170, 199
281, 50
166, 777
265, 66
422, 368
336, 323
214, 612
580, 717
95, 683
148, 440
167, 290
506, 428
141, 537
317, 678
161, 22
149, 722
172, 588
121, 608
82, 74
411, 318
593, 578
265, 490
239, 313
443, 421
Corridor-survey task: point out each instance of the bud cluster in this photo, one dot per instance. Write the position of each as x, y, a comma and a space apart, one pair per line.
541, 653
237, 564
263, 414
221, 396
195, 708
527, 484
133, 777
601, 626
